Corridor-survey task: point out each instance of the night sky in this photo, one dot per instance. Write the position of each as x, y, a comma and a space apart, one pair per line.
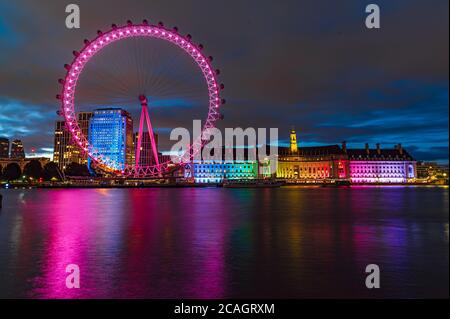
309, 64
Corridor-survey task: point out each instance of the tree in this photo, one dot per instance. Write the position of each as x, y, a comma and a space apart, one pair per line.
75, 169
51, 171
33, 169
12, 172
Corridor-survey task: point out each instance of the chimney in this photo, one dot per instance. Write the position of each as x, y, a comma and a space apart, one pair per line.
344, 146
378, 149
400, 149
367, 149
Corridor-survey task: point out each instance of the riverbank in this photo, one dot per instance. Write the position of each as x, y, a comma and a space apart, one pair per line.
207, 185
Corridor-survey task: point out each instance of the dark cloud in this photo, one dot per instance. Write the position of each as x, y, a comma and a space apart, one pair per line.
311, 64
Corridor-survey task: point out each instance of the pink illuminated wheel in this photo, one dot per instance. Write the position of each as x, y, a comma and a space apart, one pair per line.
93, 47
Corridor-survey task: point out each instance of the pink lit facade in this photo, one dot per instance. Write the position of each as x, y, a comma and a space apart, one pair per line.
382, 171
378, 165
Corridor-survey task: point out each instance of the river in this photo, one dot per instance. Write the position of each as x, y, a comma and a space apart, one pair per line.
288, 242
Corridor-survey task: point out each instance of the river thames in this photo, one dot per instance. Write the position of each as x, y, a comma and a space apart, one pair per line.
289, 242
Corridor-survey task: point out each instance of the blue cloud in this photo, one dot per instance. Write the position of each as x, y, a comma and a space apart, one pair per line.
10, 39
28, 122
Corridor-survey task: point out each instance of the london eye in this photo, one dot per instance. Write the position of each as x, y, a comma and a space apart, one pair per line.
149, 68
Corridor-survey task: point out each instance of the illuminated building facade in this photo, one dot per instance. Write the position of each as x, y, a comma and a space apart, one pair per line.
83, 122
334, 163
17, 150
4, 147
381, 165
220, 170
111, 136
311, 164
65, 151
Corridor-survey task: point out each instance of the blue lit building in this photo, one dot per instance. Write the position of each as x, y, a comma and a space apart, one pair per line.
219, 171
224, 168
111, 135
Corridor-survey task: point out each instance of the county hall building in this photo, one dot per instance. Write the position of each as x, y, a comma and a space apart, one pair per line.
334, 163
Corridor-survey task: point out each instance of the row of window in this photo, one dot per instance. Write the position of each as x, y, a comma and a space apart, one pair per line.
360, 167
305, 169
223, 171
387, 175
377, 171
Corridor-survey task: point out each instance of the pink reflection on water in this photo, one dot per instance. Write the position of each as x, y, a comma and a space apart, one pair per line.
66, 229
167, 242
210, 232
76, 233
127, 244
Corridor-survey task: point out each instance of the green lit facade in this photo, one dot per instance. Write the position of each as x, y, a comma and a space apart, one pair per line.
219, 171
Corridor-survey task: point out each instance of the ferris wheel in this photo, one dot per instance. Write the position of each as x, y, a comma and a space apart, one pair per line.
140, 92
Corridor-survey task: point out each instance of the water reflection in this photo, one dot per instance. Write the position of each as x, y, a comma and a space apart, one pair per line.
214, 243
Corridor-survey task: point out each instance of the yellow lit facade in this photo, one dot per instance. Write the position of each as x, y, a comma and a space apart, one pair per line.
65, 151
312, 163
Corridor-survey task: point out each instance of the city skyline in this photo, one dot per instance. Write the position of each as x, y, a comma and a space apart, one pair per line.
279, 68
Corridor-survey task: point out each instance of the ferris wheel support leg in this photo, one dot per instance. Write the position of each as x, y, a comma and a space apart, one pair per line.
152, 137
139, 139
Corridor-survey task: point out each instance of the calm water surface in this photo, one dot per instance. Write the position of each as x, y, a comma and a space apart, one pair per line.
214, 243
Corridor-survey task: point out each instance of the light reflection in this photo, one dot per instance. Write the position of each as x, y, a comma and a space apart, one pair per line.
213, 243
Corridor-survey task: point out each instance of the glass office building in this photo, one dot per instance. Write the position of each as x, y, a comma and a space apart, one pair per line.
111, 137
